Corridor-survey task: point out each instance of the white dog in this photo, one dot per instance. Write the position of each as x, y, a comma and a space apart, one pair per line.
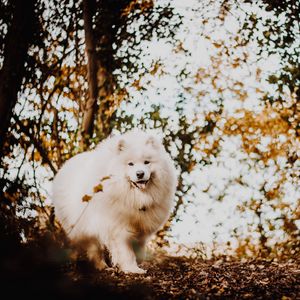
114, 196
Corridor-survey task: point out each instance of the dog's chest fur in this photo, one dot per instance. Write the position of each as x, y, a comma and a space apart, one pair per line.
146, 220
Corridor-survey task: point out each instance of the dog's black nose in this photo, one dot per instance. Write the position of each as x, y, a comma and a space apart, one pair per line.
140, 174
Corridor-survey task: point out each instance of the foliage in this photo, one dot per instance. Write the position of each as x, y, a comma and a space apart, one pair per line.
271, 137
45, 128
211, 104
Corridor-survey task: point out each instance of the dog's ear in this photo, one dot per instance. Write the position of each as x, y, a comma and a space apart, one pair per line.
121, 145
152, 141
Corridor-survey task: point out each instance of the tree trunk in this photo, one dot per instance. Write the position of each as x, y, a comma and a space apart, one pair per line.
100, 106
107, 107
91, 105
20, 34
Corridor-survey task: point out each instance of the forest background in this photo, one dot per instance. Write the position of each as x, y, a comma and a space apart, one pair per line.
217, 80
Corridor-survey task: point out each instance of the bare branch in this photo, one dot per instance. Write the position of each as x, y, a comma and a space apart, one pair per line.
37, 144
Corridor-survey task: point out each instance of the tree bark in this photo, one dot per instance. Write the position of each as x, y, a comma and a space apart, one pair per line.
19, 36
99, 37
91, 105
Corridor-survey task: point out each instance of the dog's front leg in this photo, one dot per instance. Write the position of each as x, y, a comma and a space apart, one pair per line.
122, 254
139, 247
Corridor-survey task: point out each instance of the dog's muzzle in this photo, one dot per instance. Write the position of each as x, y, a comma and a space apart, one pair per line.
140, 184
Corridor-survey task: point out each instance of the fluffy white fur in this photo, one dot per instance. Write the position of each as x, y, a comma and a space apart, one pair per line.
130, 208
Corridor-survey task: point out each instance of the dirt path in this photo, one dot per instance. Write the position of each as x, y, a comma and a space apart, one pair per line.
182, 278
44, 272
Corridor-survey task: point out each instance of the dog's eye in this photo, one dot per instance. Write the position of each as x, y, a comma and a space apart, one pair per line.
146, 162
130, 164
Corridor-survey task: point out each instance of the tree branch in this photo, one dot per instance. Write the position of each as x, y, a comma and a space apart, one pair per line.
37, 144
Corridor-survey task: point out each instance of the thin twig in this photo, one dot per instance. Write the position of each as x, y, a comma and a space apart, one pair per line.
78, 219
36, 186
38, 146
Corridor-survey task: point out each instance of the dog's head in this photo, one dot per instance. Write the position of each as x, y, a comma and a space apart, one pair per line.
140, 155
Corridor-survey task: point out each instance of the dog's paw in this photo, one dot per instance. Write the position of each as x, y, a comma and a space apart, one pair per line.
100, 265
133, 269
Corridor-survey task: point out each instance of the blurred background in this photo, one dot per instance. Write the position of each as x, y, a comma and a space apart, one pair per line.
218, 81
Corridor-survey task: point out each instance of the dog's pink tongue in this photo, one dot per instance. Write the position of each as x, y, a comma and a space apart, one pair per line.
141, 185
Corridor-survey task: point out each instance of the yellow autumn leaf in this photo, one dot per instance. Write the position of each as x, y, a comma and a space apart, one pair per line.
86, 198
37, 156
98, 188
217, 45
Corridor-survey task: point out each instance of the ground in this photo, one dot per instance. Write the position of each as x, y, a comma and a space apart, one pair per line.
183, 278
45, 273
